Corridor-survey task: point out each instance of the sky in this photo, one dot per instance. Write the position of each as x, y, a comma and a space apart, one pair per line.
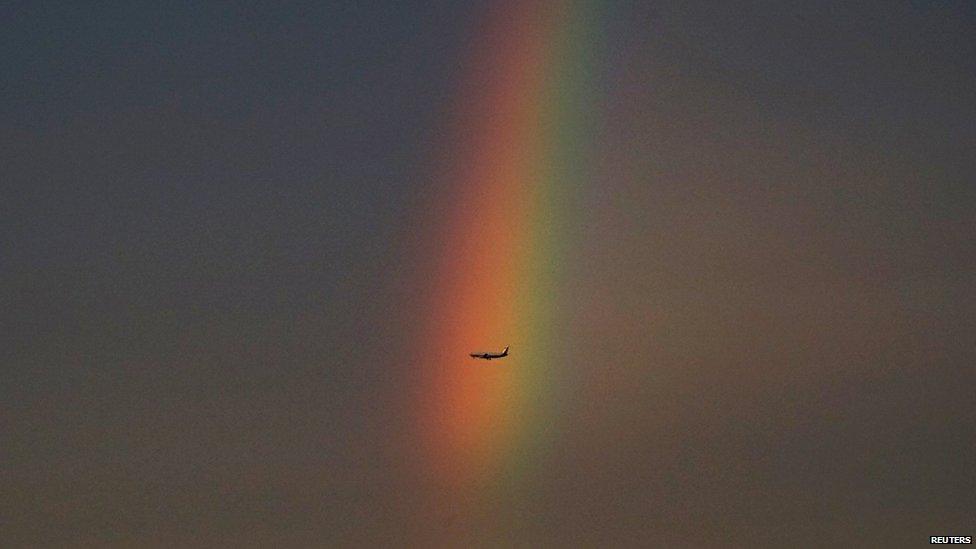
245, 250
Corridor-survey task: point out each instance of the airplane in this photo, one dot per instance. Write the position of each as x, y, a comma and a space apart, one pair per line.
489, 356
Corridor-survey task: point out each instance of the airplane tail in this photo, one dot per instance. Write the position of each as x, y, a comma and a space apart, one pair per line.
505, 352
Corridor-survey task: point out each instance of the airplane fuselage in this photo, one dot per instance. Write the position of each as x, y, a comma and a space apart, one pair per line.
490, 356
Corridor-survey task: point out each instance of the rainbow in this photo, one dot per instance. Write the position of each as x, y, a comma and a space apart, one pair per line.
517, 159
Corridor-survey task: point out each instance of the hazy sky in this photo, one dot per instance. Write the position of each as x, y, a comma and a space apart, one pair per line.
208, 254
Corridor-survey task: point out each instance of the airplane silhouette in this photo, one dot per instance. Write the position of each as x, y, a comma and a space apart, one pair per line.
489, 356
